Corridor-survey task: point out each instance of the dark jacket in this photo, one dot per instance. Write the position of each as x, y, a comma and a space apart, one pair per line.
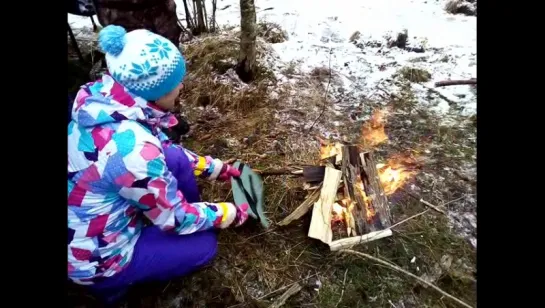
158, 16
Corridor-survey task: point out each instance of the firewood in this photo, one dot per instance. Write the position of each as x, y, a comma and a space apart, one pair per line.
355, 240
351, 174
375, 191
301, 209
320, 225
313, 173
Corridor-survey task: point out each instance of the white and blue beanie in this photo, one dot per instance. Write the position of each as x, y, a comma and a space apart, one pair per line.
145, 63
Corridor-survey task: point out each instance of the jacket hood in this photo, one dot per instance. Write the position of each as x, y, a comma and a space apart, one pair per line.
106, 101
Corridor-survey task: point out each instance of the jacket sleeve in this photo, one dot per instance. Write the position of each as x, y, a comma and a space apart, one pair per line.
205, 167
150, 186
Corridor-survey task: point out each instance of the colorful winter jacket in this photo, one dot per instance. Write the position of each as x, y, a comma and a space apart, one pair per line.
117, 174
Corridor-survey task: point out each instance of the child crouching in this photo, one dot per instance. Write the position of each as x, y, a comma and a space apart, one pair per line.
122, 168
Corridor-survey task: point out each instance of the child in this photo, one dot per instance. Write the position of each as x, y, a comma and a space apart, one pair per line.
121, 167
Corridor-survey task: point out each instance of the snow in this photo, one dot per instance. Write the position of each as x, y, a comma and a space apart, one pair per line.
317, 27
319, 32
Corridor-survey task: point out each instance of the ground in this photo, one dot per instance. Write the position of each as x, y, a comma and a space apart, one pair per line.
332, 67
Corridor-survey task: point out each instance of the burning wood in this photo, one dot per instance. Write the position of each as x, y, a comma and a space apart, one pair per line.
352, 198
353, 203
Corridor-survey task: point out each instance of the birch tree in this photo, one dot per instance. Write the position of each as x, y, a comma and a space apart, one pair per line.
246, 68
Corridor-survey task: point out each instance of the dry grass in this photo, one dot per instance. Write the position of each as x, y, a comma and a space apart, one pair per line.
271, 32
322, 73
211, 79
415, 74
355, 36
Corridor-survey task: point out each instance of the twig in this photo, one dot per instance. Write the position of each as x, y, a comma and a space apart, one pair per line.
284, 287
325, 95
424, 202
448, 100
342, 291
399, 269
445, 83
278, 172
407, 219
231, 160
425, 211
284, 297
256, 235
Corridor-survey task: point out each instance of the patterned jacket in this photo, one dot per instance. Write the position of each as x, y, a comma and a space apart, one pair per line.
117, 175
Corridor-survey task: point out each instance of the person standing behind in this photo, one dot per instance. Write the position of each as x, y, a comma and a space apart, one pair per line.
157, 16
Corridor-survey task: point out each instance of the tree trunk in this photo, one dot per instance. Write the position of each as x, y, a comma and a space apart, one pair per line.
213, 21
205, 15
246, 68
187, 15
201, 25
195, 17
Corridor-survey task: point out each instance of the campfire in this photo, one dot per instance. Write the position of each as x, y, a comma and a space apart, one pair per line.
350, 203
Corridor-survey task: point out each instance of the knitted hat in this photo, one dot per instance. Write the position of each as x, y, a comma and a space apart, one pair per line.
145, 63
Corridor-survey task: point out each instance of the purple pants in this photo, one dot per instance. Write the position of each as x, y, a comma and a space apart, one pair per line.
160, 256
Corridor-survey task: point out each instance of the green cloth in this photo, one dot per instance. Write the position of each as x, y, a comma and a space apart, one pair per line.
249, 184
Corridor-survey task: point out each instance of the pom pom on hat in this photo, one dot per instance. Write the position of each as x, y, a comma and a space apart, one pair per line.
111, 39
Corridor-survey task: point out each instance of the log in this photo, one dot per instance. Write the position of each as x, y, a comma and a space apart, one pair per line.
301, 209
356, 240
320, 225
472, 81
374, 190
351, 176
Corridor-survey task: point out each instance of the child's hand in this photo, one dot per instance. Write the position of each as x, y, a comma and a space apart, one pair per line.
233, 216
228, 173
242, 215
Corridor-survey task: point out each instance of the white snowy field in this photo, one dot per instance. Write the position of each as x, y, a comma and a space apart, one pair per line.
319, 31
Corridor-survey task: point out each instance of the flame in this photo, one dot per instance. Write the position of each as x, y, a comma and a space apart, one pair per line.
395, 173
373, 132
328, 150
338, 212
348, 207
